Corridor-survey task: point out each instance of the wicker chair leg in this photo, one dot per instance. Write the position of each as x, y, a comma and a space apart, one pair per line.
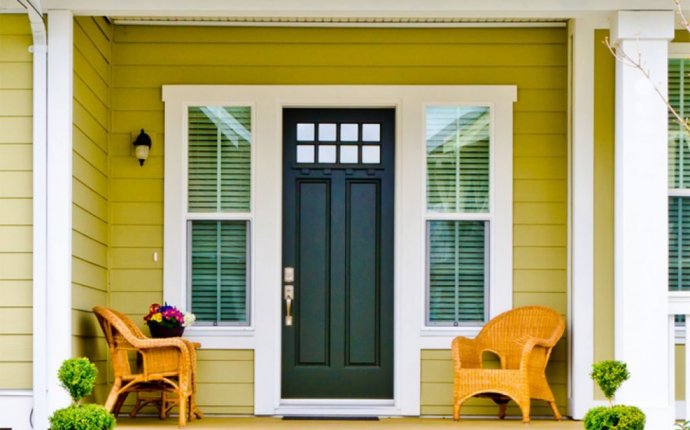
456, 410
556, 413
118, 404
113, 396
525, 408
182, 408
193, 408
502, 410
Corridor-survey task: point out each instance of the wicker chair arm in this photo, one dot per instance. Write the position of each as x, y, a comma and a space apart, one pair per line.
466, 353
170, 342
528, 348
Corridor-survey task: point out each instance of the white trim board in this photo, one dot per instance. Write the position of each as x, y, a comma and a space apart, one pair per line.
381, 8
410, 335
15, 409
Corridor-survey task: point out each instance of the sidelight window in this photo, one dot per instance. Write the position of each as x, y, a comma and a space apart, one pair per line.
218, 213
458, 207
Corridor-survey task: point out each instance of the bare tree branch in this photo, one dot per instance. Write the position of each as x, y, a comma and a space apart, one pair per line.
625, 59
681, 14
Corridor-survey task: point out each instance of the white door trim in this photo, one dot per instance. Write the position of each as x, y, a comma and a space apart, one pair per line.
410, 335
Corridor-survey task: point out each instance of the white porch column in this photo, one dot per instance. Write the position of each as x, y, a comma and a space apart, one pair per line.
59, 204
581, 210
641, 214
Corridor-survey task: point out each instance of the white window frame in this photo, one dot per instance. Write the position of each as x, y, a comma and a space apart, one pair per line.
463, 216
500, 221
176, 279
679, 51
410, 333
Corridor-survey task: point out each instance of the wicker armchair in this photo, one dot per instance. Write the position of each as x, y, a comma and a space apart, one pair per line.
165, 365
523, 339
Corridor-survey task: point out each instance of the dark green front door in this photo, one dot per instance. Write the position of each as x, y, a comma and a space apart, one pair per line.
338, 211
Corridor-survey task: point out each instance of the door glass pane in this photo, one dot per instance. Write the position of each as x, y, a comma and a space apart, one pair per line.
219, 159
305, 132
457, 272
218, 272
305, 153
349, 154
457, 145
349, 132
327, 154
327, 132
371, 132
371, 154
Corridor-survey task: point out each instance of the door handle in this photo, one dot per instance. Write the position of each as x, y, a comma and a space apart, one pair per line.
289, 295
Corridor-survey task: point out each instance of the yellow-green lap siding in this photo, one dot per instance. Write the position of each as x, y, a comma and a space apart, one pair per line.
145, 58
225, 384
16, 71
90, 218
604, 98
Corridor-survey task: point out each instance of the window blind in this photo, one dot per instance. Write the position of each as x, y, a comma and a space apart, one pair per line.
457, 269
457, 141
679, 177
678, 139
219, 159
218, 257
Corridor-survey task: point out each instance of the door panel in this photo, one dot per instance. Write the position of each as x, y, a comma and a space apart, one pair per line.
338, 235
313, 322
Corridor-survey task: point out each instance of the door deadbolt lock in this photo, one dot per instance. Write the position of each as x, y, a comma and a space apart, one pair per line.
289, 275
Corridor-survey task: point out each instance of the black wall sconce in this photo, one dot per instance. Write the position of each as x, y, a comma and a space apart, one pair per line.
142, 146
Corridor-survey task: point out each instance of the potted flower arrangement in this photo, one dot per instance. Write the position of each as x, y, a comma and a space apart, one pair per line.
167, 321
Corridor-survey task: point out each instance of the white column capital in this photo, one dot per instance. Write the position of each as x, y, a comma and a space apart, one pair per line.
642, 25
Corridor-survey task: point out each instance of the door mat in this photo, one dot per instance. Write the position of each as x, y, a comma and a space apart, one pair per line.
328, 418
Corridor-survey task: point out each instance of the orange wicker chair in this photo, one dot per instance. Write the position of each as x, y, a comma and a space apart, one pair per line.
167, 365
523, 339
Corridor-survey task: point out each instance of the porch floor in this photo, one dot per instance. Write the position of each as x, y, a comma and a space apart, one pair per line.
270, 423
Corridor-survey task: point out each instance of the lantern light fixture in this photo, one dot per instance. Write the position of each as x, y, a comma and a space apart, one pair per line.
142, 146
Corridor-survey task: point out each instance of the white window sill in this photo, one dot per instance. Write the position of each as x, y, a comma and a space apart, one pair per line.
441, 337
222, 337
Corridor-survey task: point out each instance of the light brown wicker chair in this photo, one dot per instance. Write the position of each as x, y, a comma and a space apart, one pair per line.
523, 339
166, 365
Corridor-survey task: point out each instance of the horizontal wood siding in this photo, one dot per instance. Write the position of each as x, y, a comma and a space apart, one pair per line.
145, 58
226, 383
15, 202
91, 125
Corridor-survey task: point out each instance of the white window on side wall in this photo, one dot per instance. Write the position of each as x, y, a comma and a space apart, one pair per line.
211, 191
218, 213
679, 177
458, 214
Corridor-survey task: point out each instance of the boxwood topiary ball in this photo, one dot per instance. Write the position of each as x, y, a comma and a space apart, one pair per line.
618, 417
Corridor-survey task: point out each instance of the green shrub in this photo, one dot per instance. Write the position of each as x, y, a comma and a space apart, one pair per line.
82, 417
78, 376
609, 375
616, 417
